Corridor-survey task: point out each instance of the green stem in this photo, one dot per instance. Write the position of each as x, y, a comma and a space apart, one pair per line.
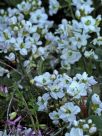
29, 113
71, 10
57, 133
84, 62
10, 67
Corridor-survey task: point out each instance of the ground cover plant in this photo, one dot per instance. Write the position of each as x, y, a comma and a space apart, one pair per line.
51, 68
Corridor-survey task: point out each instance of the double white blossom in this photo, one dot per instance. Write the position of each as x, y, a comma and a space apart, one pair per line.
68, 112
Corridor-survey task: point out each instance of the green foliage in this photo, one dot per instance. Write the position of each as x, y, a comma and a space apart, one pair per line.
12, 2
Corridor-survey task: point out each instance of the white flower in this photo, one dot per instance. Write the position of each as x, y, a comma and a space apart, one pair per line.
88, 23
85, 79
26, 63
68, 112
92, 130
83, 6
89, 121
77, 90
85, 126
54, 116
80, 39
20, 46
97, 104
11, 57
90, 54
98, 41
87, 54
95, 99
3, 71
53, 7
75, 123
43, 102
38, 17
77, 14
87, 9
98, 111
24, 6
77, 2
27, 26
63, 29
42, 51
13, 20
56, 92
69, 56
23, 51
75, 132
43, 79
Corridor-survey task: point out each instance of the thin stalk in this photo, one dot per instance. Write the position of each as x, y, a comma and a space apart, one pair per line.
57, 133
84, 62
10, 67
30, 115
71, 10
26, 106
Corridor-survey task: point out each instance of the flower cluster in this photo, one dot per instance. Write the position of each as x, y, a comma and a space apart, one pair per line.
82, 128
60, 85
21, 29
66, 90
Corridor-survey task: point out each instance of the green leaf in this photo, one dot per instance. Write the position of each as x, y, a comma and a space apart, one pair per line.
98, 51
6, 81
15, 76
88, 104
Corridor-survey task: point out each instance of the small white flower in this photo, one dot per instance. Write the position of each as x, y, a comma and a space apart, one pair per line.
80, 39
89, 121
11, 57
68, 112
70, 57
23, 51
38, 17
3, 71
54, 116
77, 90
75, 123
24, 6
77, 13
90, 54
75, 132
41, 51
92, 130
98, 41
63, 29
43, 79
83, 6
96, 99
56, 92
98, 111
13, 20
85, 126
88, 23
26, 63
43, 102
89, 81
53, 7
